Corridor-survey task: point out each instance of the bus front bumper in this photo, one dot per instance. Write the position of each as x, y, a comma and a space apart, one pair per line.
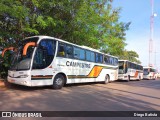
19, 81
122, 77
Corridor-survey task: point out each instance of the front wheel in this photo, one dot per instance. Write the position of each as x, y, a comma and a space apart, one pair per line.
58, 82
128, 78
106, 79
139, 78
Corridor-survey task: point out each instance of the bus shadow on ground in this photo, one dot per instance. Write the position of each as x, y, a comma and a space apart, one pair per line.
87, 96
10, 86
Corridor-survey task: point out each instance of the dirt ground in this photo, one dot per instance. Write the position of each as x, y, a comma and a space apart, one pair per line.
4, 85
1, 82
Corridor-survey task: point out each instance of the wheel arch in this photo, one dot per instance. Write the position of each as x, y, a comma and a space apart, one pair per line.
109, 78
63, 74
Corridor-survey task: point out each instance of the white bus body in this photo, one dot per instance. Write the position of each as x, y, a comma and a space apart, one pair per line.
43, 60
129, 71
149, 73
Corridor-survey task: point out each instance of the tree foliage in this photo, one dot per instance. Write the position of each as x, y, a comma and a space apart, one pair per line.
93, 23
131, 56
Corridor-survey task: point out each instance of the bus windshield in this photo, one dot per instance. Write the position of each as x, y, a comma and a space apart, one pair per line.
121, 67
20, 61
146, 71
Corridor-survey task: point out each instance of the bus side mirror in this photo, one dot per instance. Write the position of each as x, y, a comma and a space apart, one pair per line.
27, 46
10, 48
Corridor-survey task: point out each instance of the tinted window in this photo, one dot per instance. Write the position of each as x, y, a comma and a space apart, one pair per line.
90, 56
44, 54
115, 61
69, 51
132, 65
146, 71
61, 50
129, 64
111, 60
99, 58
79, 53
152, 70
106, 60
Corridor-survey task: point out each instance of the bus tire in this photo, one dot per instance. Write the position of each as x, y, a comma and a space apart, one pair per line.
106, 79
139, 78
58, 82
150, 77
128, 78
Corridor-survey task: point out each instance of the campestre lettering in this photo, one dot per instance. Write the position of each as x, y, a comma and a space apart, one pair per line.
77, 64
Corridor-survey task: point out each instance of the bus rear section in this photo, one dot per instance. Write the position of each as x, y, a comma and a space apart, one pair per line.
149, 73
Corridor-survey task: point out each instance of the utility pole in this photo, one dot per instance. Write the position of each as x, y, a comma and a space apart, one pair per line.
151, 33
155, 59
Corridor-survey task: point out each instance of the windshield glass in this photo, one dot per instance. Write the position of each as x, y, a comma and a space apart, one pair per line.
153, 70
44, 54
121, 67
20, 61
146, 71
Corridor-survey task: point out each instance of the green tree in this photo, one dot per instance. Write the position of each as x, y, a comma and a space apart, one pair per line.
131, 56
93, 23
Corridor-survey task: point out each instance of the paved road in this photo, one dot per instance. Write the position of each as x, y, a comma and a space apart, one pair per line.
115, 96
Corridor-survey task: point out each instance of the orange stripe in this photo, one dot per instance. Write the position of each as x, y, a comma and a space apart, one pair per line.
136, 74
95, 71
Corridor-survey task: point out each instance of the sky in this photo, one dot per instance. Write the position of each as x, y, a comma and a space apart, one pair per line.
138, 12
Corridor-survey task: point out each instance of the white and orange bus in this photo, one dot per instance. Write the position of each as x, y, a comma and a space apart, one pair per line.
149, 73
44, 60
130, 71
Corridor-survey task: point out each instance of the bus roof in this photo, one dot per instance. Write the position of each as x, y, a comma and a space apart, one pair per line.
130, 61
146, 67
85, 47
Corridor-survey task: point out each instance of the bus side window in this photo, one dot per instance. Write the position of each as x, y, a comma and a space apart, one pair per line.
111, 60
115, 61
92, 57
76, 53
61, 50
106, 59
88, 55
79, 53
99, 58
69, 51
